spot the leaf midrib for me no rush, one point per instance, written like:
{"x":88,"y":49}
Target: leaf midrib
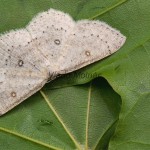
{"x":60,"y":120}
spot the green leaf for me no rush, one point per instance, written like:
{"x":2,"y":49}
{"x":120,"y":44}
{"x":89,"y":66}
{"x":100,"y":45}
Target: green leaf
{"x":67,"y":118}
{"x":70,"y":113}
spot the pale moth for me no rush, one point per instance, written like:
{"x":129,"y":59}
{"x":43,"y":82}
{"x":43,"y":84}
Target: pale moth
{"x":50,"y":45}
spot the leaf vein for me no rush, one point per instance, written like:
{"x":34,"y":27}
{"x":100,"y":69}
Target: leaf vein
{"x":109,"y":9}
{"x":27,"y":138}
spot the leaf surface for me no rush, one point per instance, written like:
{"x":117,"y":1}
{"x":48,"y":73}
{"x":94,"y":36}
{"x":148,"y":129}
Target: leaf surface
{"x":75,"y":111}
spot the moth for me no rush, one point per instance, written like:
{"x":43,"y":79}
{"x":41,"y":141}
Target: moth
{"x":51,"y":44}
